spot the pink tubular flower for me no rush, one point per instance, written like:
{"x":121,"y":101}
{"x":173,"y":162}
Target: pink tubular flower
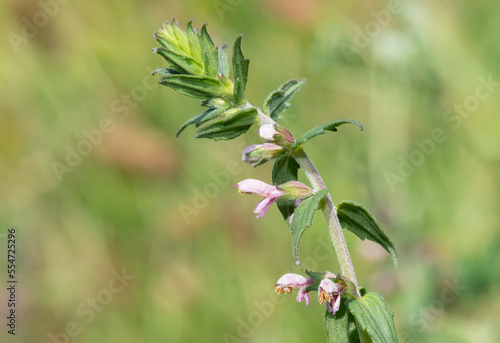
{"x":289,"y":281}
{"x":331,"y":292}
{"x":291,"y":190}
{"x":271,"y":193}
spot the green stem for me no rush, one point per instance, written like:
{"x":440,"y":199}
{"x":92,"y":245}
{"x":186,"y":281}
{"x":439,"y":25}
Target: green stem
{"x":330,"y":215}
{"x":329,"y":212}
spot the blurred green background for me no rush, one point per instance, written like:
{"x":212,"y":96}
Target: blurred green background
{"x":75,"y":72}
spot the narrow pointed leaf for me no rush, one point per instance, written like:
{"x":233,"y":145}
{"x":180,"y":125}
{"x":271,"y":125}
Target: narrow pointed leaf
{"x":240,"y":71}
{"x":229,"y":127}
{"x":331,"y":126}
{"x":165,"y":71}
{"x":285,"y":169}
{"x":375,"y":317}
{"x":184,"y":64}
{"x":194,"y":43}
{"x":302,"y":219}
{"x":193,"y":86}
{"x":168,"y":44}
{"x":182,"y":39}
{"x":355,"y":218}
{"x":279,"y":100}
{"x":223,"y":65}
{"x":202,"y":118}
{"x":209,"y":53}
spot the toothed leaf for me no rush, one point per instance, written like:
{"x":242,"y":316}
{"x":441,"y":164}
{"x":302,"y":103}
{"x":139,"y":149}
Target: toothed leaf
{"x":302,"y":219}
{"x":279,"y":100}
{"x":240,"y":71}
{"x":331,"y":126}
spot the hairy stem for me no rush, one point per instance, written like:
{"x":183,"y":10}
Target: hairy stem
{"x":330,"y":215}
{"x":329,"y":212}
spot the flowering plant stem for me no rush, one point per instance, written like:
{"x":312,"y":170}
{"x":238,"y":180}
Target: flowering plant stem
{"x":199,"y":69}
{"x":330,"y":214}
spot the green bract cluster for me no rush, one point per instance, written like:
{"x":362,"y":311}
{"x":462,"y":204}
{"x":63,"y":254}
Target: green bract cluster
{"x":201,"y":70}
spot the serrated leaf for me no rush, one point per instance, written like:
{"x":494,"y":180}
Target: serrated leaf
{"x":184,"y":64}
{"x":279,"y":100}
{"x":202,"y":118}
{"x":240,"y":72}
{"x":229,"y":127}
{"x":194,"y":86}
{"x":285,"y":169}
{"x":355,"y":218}
{"x":302,"y":219}
{"x":341,"y":326}
{"x":194,"y":43}
{"x":209,"y":53}
{"x":331,"y":126}
{"x":223,"y":65}
{"x":375,"y":317}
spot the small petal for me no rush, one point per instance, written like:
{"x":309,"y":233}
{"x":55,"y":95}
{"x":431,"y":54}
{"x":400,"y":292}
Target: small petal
{"x":329,"y":307}
{"x":267,"y":131}
{"x":293,"y":280}
{"x":263,"y":206}
{"x":336,"y":304}
{"x":302,"y":294}
{"x":328,"y":286}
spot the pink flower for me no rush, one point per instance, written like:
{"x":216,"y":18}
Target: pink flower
{"x":271,"y":193}
{"x":289,"y":281}
{"x":331,"y":292}
{"x":291,"y":190}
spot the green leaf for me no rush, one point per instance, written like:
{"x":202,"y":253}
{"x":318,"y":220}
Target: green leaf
{"x":202,"y":118}
{"x":183,"y":64}
{"x":194,"y":43}
{"x":209,"y":53}
{"x":302,"y":219}
{"x":165,"y":71}
{"x":331,"y":126}
{"x":285,"y":169}
{"x":375,"y":317}
{"x":355,"y":218}
{"x":341,"y":326}
{"x":182,"y":39}
{"x":223,"y":65}
{"x":279,"y":100}
{"x":240,"y":71}
{"x":194,"y":86}
{"x":230,"y":126}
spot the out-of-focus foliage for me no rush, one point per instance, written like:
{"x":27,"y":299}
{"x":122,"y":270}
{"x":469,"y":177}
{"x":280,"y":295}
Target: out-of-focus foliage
{"x":95,"y":182}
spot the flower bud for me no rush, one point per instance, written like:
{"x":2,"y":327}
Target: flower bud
{"x":258,"y":154}
{"x":296,"y":190}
